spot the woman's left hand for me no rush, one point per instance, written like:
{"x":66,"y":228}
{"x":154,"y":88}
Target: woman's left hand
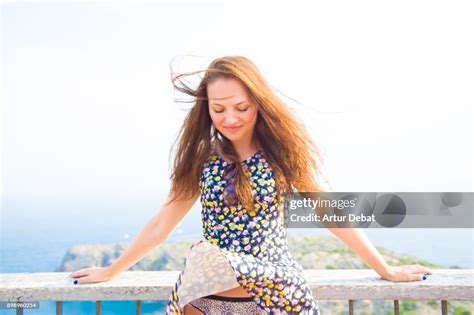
{"x":407,"y":273}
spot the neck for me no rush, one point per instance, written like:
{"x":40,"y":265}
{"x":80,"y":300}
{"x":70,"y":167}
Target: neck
{"x":245,"y":147}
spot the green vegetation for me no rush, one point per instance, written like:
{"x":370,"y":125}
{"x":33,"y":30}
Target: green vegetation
{"x":404,"y":260}
{"x":408,"y":305}
{"x":462,"y":310}
{"x":434,"y":304}
{"x":341,"y":250}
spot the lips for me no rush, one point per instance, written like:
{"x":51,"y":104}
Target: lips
{"x":233,"y":129}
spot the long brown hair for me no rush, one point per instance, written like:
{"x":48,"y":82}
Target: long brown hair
{"x":287,"y":146}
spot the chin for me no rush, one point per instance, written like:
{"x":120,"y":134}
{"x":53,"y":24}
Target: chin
{"x":233,"y":137}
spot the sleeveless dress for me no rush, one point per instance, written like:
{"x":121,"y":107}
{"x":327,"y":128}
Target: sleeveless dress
{"x":242,"y":247}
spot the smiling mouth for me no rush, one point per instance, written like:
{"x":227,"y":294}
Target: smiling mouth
{"x":233,"y":128}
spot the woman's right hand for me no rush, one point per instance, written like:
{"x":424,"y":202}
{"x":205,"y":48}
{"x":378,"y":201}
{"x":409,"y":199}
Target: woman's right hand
{"x":92,"y":275}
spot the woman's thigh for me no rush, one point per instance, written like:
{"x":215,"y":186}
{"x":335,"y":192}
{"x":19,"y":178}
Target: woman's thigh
{"x":234,"y":292}
{"x":191,"y":310}
{"x":214,"y":305}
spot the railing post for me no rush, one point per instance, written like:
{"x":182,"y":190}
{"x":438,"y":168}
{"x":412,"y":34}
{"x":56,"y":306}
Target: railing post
{"x":351,"y":307}
{"x":19,"y":310}
{"x":444,"y":307}
{"x":396,"y":307}
{"x":59,"y":307}
{"x":139,"y":307}
{"x":98,"y":307}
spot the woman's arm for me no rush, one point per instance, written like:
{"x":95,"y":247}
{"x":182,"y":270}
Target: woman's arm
{"x":155,"y":232}
{"x":356,"y":240}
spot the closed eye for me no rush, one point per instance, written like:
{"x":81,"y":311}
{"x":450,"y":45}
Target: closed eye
{"x":240,"y":110}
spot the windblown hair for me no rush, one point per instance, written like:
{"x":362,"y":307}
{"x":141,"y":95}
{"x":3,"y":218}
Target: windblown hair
{"x":287,"y":146}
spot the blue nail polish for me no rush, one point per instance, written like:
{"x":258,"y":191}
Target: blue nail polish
{"x":75,"y":281}
{"x":424,"y":277}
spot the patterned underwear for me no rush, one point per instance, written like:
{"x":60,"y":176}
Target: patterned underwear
{"x":220,"y":305}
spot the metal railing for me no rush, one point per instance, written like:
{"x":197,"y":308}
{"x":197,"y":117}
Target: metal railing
{"x":348,"y":284}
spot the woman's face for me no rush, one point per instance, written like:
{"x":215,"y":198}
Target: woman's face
{"x":232,"y":110}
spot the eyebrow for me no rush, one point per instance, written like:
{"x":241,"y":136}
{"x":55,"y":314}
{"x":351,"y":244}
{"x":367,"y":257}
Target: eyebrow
{"x":234,"y":105}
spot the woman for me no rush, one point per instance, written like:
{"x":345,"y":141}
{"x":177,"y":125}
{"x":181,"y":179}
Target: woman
{"x":239,"y":150}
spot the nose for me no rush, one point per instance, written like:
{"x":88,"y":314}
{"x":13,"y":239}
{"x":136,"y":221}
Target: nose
{"x":231,"y":119}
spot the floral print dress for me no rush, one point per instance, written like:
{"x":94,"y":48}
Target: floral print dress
{"x":242,"y":247}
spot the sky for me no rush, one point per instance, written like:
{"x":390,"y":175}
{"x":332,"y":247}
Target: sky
{"x":89,"y":113}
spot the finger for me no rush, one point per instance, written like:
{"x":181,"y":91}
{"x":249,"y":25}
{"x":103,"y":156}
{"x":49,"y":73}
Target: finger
{"x":417,"y":277}
{"x":423,"y":269}
{"x":414,"y":268}
{"x":80,"y":273}
{"x":423,"y":275}
{"x":83,"y":280}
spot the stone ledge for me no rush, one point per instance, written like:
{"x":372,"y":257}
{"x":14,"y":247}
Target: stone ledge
{"x":347,"y":284}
